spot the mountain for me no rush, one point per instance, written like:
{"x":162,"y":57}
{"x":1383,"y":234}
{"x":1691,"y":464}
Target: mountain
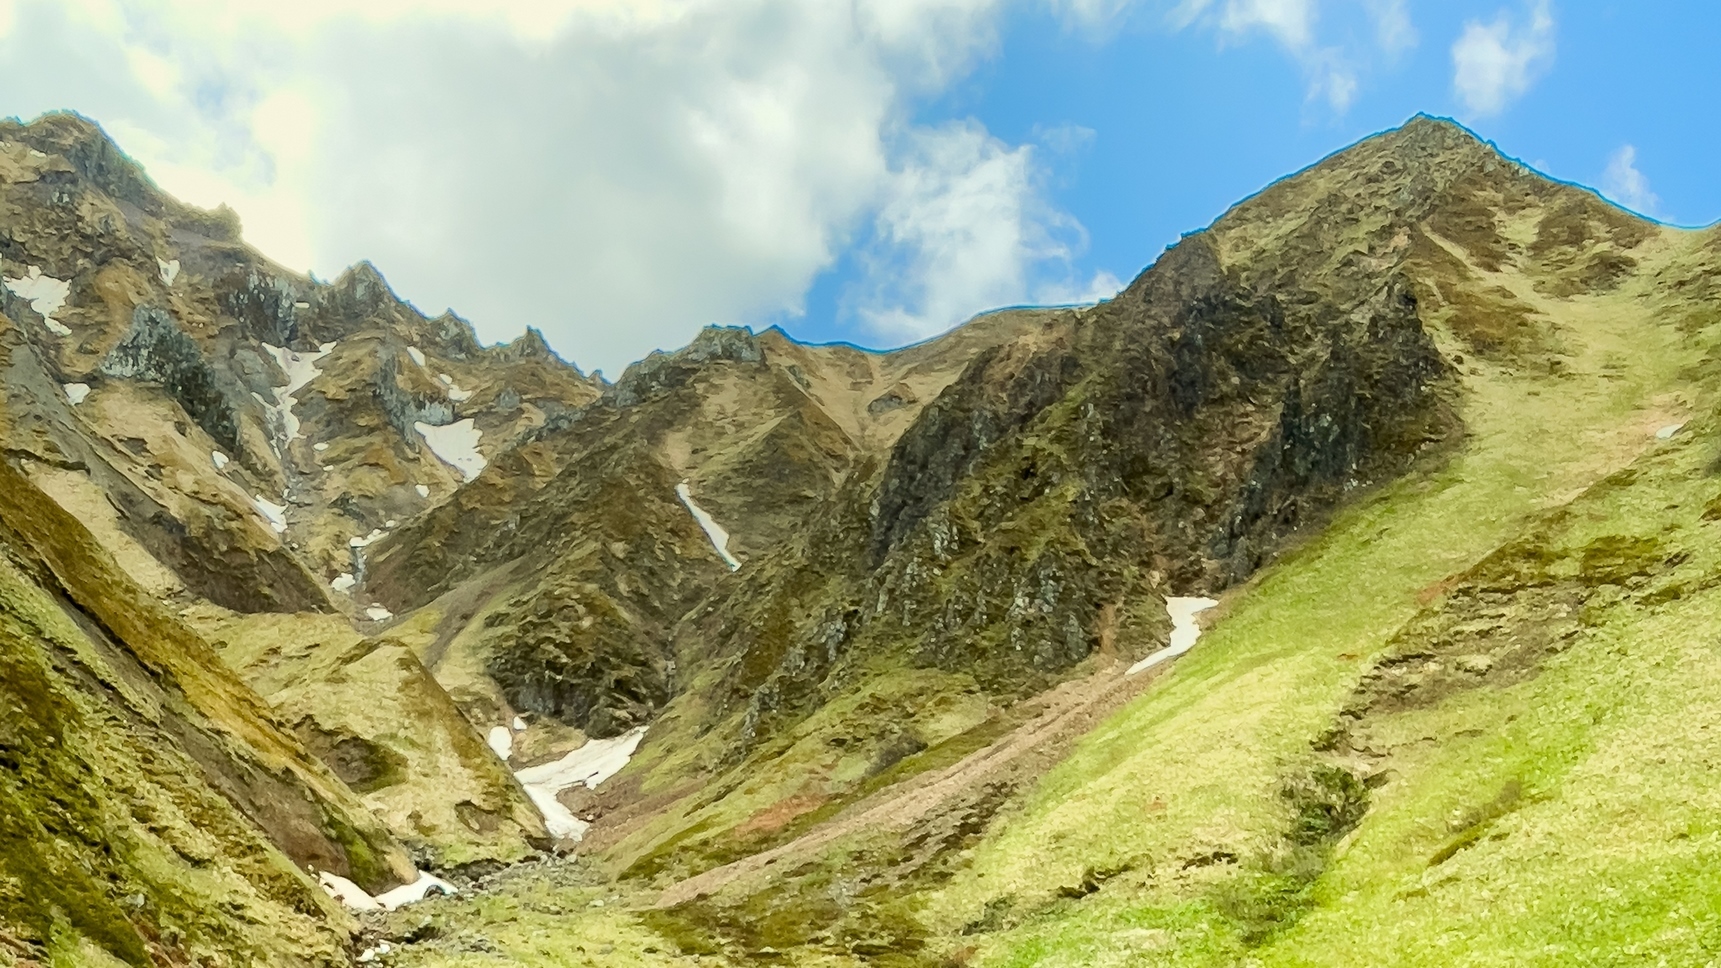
{"x":818,"y":655}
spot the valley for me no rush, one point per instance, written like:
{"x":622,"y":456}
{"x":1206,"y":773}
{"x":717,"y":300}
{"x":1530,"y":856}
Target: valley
{"x":770,"y":652}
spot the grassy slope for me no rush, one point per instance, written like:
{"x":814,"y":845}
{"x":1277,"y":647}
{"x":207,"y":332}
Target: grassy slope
{"x":1194,"y":767}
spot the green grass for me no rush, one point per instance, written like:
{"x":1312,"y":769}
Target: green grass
{"x":1191,"y":768}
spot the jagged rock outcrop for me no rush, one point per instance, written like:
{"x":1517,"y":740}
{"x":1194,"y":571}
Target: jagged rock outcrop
{"x":157,"y":349}
{"x":234,"y":434}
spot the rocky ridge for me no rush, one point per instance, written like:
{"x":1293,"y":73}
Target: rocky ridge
{"x":855,"y":600}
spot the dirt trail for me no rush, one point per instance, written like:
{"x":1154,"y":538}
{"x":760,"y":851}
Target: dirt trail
{"x":1069,"y":711}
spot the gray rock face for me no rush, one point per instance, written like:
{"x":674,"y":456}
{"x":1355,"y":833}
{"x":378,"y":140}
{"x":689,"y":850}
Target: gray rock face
{"x":405,"y":408}
{"x":265,"y":306}
{"x":157,"y":349}
{"x":666,"y":371}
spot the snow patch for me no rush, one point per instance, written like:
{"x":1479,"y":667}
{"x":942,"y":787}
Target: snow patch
{"x":348,"y":893}
{"x":519,"y":725}
{"x":301,"y":369}
{"x":169,"y":270}
{"x":219,"y":460}
{"x":343,"y":582}
{"x":76,"y":392}
{"x":719,"y":537}
{"x":1184,"y":631}
{"x":591,"y":764}
{"x":46,"y":294}
{"x":1667,"y":432}
{"x":456,"y":444}
{"x":275,"y":513}
{"x":356,"y":898}
{"x":454,"y":392}
{"x":367,"y":540}
{"x":320,"y":446}
{"x":422,"y":490}
{"x":416,"y":354}
{"x":427,"y":885}
{"x":501,"y":740}
{"x":377,"y":613}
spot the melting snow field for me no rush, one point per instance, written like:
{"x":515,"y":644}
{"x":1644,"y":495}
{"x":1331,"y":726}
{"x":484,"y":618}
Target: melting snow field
{"x":591,"y":764}
{"x":275,"y":513}
{"x":454,"y":393}
{"x":456,"y":444}
{"x":46,"y":295}
{"x":719,"y":537}
{"x":301,"y":369}
{"x":76,"y":392}
{"x":501,"y":740}
{"x":356,"y":898}
{"x":1184,"y":631}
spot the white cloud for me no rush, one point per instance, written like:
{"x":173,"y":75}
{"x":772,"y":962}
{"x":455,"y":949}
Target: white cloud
{"x":962,"y":225}
{"x":615,"y":172}
{"x":1290,"y":21}
{"x":1623,"y":183}
{"x":1494,"y":64}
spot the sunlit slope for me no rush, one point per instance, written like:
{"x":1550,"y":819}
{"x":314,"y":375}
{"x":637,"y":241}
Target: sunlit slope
{"x":152,"y":812}
{"x":1467,"y":725}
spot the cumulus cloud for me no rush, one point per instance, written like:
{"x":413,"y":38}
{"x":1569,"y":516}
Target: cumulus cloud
{"x":961,"y":225}
{"x":615,"y":172}
{"x":1623,"y":183}
{"x":1495,"y":63}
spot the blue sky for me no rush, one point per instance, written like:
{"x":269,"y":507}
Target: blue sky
{"x":619,"y":173}
{"x":1185,"y":123}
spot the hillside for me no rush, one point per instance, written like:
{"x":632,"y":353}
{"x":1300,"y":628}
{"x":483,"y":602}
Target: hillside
{"x":1408,"y":411}
{"x":809,"y":654}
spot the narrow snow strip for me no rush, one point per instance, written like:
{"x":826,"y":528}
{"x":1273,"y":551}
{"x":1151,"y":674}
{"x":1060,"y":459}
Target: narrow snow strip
{"x":369,"y":539}
{"x":591,"y":764}
{"x":456,"y":444}
{"x":76,"y":392}
{"x":427,"y":885}
{"x":1667,"y":432}
{"x":46,"y":295}
{"x":356,"y":898}
{"x":377,"y":613}
{"x":558,"y":820}
{"x":501,"y":740}
{"x":275,"y":513}
{"x":1184,"y":631}
{"x":301,"y":369}
{"x":343,"y":582}
{"x":218,"y":459}
{"x":454,"y":392}
{"x":713,"y":530}
{"x":416,"y":354}
{"x":169,"y":270}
